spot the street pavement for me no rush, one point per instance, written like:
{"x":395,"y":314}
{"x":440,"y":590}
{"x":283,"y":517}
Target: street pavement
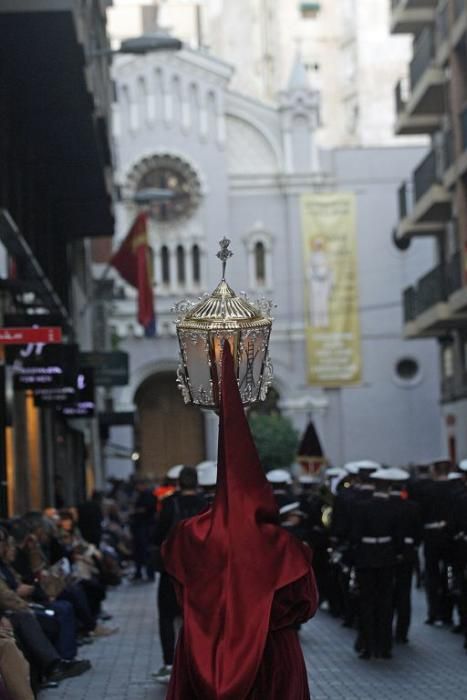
{"x":432,"y":667}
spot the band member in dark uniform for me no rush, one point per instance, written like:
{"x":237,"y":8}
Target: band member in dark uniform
{"x":436,"y":502}
{"x":458,"y":527}
{"x":410,"y":534}
{"x":281,"y":481}
{"x":375,"y":541}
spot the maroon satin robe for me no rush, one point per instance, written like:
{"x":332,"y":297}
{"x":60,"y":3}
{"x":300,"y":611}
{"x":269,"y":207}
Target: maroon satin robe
{"x":242,"y":580}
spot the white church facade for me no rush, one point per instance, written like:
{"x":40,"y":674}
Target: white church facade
{"x":240,"y":168}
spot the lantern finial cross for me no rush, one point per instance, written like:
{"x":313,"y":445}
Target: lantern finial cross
{"x":224,"y":254}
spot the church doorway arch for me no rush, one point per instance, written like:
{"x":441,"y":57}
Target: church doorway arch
{"x":168,"y":431}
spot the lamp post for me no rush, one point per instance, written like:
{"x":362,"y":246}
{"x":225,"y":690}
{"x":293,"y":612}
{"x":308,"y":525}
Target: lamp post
{"x":202,"y":330}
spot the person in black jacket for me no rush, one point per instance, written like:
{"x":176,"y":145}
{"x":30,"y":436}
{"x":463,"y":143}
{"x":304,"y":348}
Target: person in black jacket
{"x":183,"y":504}
{"x":90,"y":518}
{"x":436,"y":500}
{"x":142,"y":522}
{"x":410,"y":537}
{"x":458,"y":528}
{"x":375,"y":543}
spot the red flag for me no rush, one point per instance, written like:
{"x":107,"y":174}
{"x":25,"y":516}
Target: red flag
{"x":133,"y":261}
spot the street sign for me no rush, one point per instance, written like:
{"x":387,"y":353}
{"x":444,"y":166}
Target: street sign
{"x":76,"y":401}
{"x":42,"y":366}
{"x":110,"y":368}
{"x":26,"y":336}
{"x":84,"y":403}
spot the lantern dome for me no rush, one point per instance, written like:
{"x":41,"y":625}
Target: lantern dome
{"x":202,"y":329}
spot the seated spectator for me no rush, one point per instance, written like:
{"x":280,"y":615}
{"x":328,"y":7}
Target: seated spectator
{"x":38,"y":649}
{"x":61,"y":627}
{"x":33,"y":538}
{"x":14,"y":669}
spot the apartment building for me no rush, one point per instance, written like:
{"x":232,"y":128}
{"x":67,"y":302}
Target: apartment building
{"x":433,"y":199}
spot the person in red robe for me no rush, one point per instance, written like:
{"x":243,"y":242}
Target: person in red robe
{"x":244,"y":583}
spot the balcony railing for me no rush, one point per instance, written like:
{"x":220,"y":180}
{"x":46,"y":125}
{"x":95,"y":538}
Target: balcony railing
{"x":405,"y":197}
{"x":425,"y":175}
{"x":463,"y":118}
{"x":434,"y":287}
{"x":442,"y":23}
{"x":453,"y":274}
{"x":410,"y":304}
{"x":448,"y":149}
{"x":411,"y":4}
{"x":431,"y":289}
{"x":424,"y":52}
{"x":400,"y":93}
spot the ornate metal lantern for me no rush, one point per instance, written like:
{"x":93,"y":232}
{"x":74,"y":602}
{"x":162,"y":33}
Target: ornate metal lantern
{"x":202,"y":329}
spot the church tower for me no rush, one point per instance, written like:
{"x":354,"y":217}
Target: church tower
{"x":300,"y":117}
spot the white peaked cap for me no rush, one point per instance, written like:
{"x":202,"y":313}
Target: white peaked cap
{"x":396,"y":474}
{"x":454,"y":475}
{"x":463,"y":465}
{"x":279,"y":476}
{"x":208,"y":476}
{"x":174,"y":472}
{"x":335,"y":471}
{"x":367,"y":465}
{"x":391,"y":474}
{"x":308,"y":479}
{"x":351,"y":467}
{"x":207,"y":464}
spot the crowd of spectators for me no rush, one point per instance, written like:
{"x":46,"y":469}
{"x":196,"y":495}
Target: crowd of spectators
{"x":56,"y":568}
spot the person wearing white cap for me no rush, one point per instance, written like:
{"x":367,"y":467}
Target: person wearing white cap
{"x":281,"y":480}
{"x":375,"y":540}
{"x":410,"y":537}
{"x":174,"y":472}
{"x":436,"y":500}
{"x":345,"y":499}
{"x":169,"y":485}
{"x":332,"y":478}
{"x":207,"y":480}
{"x":459,"y":531}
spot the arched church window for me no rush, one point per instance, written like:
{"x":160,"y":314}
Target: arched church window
{"x":125,"y":101}
{"x":196,"y":261}
{"x":180,"y":265}
{"x":260,"y":262}
{"x":165,"y":262}
{"x":142,"y":100}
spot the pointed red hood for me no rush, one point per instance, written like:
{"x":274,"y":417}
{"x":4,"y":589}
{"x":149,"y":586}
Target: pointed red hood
{"x":231,"y":560}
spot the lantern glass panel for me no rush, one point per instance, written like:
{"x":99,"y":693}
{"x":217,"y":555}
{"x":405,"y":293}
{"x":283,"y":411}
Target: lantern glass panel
{"x":252,"y":354}
{"x":216,"y":340}
{"x":196,"y":358}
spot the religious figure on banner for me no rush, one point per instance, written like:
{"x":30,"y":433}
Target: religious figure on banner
{"x":320,"y":283}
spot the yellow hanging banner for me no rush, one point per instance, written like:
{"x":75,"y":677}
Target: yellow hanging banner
{"x":332,"y":323}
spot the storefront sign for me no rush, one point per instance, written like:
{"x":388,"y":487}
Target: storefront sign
{"x":83,"y":403}
{"x":110,"y":368}
{"x":23,"y":336}
{"x":42,"y":366}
